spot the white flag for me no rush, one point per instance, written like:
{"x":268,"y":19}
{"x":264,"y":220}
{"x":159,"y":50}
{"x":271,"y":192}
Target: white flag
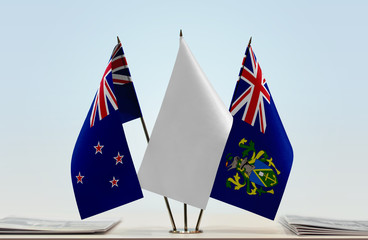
{"x":188,"y":138}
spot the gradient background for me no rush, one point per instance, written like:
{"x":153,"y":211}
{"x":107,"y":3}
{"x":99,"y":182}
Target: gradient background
{"x":312,"y":53}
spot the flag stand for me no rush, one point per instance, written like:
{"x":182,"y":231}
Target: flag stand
{"x":186,"y":230}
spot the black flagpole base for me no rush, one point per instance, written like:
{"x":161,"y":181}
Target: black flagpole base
{"x":182,"y":231}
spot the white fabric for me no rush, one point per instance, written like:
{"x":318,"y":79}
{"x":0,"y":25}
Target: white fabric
{"x":188,"y":138}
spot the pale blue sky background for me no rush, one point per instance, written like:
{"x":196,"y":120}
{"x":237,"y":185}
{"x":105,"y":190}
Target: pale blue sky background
{"x":312,"y":53}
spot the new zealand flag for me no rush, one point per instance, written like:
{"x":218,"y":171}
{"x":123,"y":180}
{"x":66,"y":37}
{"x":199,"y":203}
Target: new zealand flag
{"x":258,"y":156}
{"x":102,"y":170}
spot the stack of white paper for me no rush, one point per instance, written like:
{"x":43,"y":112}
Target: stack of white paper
{"x":42,"y":226}
{"x":322,"y":226}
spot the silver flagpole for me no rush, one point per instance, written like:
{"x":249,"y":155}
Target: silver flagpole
{"x":185,"y":218}
{"x":185,"y":205}
{"x":199,"y":220}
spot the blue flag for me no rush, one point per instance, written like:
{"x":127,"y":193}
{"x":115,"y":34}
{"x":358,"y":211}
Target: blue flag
{"x":258,"y":156}
{"x":102,"y":170}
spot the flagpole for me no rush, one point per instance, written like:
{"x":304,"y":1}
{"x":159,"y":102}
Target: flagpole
{"x":170,"y":213}
{"x":147,"y":138}
{"x":185,"y":218}
{"x":199,"y":220}
{"x":144,"y":128}
{"x":185,"y":205}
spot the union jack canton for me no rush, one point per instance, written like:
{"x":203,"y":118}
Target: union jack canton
{"x":118,"y":70}
{"x":253,"y":97}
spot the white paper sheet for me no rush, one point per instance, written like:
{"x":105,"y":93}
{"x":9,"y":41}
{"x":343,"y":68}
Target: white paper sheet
{"x":302,"y":225}
{"x":46,"y":226}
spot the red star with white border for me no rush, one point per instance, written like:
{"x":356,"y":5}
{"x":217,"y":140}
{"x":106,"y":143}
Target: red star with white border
{"x":114,"y":182}
{"x":119,"y":159}
{"x":79,"y":178}
{"x":98,"y":148}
